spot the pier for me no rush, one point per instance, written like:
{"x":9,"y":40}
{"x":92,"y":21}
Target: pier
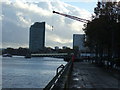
{"x":50,"y":55}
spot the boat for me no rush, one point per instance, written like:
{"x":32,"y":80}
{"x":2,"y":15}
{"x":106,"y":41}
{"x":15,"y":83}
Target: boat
{"x":7,"y":55}
{"x":28,"y":56}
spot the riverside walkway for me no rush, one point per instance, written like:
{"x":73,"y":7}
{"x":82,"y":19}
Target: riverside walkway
{"x":87,"y":75}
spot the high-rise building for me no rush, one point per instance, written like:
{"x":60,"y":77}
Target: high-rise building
{"x":78,"y":41}
{"x":37,"y":37}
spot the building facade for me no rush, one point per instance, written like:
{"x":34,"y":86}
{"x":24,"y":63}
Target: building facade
{"x":37,"y":37}
{"x":78,"y":41}
{"x":56,"y":48}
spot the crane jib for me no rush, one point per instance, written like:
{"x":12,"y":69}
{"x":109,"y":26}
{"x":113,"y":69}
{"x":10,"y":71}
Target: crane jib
{"x":73,"y":17}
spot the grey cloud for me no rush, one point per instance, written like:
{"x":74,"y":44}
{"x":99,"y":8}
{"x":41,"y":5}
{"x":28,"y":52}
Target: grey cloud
{"x":14,"y":34}
{"x":16,"y":17}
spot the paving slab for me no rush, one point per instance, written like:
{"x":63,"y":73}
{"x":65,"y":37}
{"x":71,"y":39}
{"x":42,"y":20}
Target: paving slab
{"x":87,"y":75}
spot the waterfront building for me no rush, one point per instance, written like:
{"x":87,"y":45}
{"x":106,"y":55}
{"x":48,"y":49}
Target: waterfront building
{"x":56,"y":48}
{"x":64,"y":47}
{"x":37,"y":37}
{"x":78,"y":41}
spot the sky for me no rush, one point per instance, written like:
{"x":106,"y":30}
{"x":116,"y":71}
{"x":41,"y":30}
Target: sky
{"x":18,"y":15}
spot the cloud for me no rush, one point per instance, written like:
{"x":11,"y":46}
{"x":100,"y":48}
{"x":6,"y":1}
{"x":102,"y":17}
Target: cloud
{"x":22,"y":20}
{"x":18,"y":16}
{"x":48,"y":27}
{"x":79,"y":0}
{"x":31,"y":8}
{"x":58,"y":39}
{"x":1,"y":17}
{"x":87,"y":1}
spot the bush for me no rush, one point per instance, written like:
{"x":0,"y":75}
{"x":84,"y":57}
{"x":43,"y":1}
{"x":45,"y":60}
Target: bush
{"x":117,"y":61}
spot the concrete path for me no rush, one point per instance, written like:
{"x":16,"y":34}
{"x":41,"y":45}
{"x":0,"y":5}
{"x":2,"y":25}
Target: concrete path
{"x":86,"y":75}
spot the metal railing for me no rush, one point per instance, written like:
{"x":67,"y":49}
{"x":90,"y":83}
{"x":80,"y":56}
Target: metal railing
{"x":61,"y":78}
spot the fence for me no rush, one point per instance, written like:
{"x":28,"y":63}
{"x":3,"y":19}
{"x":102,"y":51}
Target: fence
{"x":60,"y":81}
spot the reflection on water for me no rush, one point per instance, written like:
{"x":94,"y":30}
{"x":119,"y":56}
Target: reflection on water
{"x":18,"y":72}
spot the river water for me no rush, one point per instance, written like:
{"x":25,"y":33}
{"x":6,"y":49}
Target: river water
{"x":18,"y":72}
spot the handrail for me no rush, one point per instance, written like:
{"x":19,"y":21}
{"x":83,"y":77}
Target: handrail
{"x":61,"y":66}
{"x":60,"y":76}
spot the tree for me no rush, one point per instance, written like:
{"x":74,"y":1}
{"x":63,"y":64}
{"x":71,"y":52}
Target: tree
{"x":102,"y":33}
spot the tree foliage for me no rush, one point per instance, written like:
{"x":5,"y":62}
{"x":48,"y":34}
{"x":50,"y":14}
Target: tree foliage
{"x":103,"y":32}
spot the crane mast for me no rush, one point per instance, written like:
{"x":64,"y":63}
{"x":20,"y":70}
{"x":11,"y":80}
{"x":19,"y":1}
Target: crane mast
{"x":73,"y":17}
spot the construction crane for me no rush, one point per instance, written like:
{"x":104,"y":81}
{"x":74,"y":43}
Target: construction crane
{"x":73,"y":17}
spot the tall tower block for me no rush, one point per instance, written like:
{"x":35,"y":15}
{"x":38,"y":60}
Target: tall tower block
{"x":37,"y":37}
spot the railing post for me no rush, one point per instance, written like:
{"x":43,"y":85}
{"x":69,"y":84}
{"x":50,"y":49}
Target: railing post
{"x":61,"y":66}
{"x":60,"y":81}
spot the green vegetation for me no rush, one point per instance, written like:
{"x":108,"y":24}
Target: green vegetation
{"x":20,"y":51}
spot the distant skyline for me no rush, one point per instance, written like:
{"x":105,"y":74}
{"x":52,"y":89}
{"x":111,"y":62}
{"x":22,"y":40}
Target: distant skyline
{"x":18,"y":15}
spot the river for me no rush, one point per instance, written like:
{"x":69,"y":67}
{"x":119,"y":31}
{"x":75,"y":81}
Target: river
{"x":18,"y":72}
